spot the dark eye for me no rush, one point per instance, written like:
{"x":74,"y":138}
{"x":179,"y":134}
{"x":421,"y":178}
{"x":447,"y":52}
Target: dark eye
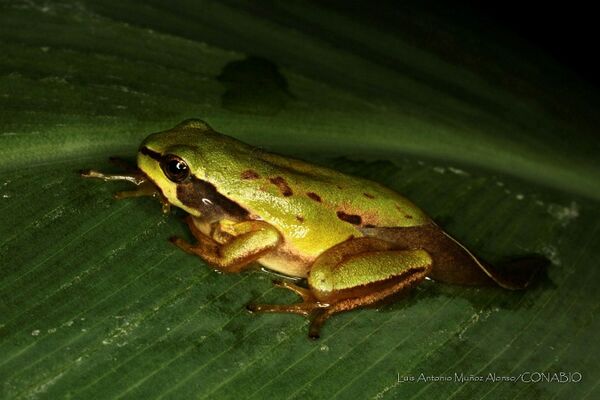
{"x":175,"y":168}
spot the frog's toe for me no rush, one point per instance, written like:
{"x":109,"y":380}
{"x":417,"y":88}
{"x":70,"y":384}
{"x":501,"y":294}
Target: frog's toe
{"x":304,"y":308}
{"x":316,"y":311}
{"x":303,"y":292}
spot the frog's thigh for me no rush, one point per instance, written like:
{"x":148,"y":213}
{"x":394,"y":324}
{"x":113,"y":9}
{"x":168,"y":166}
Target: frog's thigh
{"x":347,"y":281}
{"x":363,"y":271}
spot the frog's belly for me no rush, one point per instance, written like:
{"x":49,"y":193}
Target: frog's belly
{"x":287,"y":262}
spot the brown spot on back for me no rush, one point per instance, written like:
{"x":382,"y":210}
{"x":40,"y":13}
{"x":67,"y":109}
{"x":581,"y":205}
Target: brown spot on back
{"x":350,"y":218}
{"x":282,"y":185}
{"x":300,"y":218}
{"x":314,"y":196}
{"x":370,"y":196}
{"x":250,"y":174}
{"x":408,"y":216}
{"x":338,"y":186}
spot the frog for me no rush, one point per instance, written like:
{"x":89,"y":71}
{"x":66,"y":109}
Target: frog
{"x":341,"y":242}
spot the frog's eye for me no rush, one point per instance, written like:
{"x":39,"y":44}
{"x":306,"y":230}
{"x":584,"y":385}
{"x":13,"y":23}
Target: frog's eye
{"x":174,"y":168}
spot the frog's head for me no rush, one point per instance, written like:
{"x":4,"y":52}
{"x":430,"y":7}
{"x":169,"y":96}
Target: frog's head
{"x":172,"y":160}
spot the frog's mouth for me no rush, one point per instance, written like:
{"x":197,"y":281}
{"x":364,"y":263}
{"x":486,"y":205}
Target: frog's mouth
{"x":147,"y":186}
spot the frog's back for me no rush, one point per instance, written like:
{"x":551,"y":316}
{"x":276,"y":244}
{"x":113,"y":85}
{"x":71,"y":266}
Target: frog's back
{"x":315,"y":206}
{"x":363,"y":202}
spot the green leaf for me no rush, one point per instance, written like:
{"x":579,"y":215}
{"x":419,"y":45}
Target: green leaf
{"x":94,"y":301}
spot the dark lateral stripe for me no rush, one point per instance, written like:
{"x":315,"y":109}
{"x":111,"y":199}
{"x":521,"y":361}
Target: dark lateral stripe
{"x":150,"y":153}
{"x":194,"y":192}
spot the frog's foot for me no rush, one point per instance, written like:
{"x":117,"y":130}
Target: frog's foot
{"x":309,"y":307}
{"x":319,"y":311}
{"x":299,"y":290}
{"x":306,"y":307}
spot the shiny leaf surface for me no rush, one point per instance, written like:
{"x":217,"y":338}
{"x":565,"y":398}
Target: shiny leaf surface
{"x":94,"y":301}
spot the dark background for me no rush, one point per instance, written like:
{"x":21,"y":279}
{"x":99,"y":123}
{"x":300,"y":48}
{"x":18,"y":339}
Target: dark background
{"x":565,"y":31}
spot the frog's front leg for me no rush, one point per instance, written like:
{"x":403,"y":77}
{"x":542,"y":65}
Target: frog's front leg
{"x":135,"y":177}
{"x":354,"y":273}
{"x":144,"y":186}
{"x":249,"y":241}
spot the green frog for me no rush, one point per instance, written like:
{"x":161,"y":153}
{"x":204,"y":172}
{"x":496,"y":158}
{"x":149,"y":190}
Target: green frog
{"x":355,"y":241}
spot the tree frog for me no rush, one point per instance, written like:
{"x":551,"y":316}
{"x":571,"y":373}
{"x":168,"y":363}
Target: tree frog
{"x":355,"y":241}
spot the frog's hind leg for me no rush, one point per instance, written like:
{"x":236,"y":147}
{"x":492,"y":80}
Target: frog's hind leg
{"x":299,"y":290}
{"x":454,"y":263}
{"x":352,"y":274}
{"x":310,"y":307}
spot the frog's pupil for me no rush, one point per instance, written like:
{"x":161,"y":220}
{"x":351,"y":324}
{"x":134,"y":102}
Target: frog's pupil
{"x":176,"y":169}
